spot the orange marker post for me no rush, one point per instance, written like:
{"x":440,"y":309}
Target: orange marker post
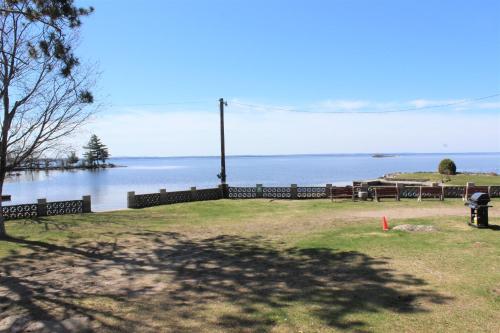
{"x":385,"y":224}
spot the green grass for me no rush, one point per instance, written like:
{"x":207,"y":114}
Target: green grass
{"x":258,"y":266}
{"x":459,"y":179}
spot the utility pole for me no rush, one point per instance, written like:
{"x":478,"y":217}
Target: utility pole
{"x":222,"y":174}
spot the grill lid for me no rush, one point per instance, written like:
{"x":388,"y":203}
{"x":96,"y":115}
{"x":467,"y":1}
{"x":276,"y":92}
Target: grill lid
{"x":480,"y":198}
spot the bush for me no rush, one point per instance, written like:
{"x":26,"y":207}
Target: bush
{"x":447,"y":167}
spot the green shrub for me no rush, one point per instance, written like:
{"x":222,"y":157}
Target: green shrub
{"x":447,"y":167}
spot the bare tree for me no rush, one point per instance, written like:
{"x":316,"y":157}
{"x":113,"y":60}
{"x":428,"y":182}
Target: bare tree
{"x":44,"y":93}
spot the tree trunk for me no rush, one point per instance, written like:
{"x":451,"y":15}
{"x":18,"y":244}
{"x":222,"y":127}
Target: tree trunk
{"x":3,"y":172}
{"x":7,"y":120}
{"x":3,"y":232}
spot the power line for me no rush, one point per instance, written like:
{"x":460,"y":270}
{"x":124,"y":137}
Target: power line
{"x":311,"y":110}
{"x":413,"y":109}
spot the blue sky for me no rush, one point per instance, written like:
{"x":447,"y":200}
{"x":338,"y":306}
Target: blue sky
{"x":308,"y":55}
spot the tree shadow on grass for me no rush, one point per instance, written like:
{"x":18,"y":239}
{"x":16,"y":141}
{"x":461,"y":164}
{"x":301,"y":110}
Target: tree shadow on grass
{"x":47,"y":223}
{"x":259,"y":280}
{"x":251,"y":273}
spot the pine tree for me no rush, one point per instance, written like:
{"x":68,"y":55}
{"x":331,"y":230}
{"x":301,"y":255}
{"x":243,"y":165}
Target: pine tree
{"x":104,"y":154}
{"x":96,"y":152}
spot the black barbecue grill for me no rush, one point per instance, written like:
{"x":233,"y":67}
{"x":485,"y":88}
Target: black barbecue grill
{"x":478,"y":204}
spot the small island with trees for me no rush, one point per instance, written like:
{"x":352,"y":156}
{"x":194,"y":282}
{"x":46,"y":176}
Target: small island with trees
{"x":95,"y":156}
{"x":383,"y":155}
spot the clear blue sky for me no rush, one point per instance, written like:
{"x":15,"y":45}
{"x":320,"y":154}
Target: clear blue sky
{"x":324,"y":55}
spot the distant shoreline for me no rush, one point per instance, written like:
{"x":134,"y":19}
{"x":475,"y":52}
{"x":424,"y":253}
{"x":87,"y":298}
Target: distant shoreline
{"x":65,"y":168}
{"x":382,"y":155}
{"x":304,"y":155}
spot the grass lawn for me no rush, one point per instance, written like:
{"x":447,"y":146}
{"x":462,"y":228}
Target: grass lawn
{"x":254,"y":266}
{"x":459,"y":179}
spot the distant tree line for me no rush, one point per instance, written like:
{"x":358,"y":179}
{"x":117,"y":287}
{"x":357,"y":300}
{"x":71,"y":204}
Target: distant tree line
{"x":95,"y":156}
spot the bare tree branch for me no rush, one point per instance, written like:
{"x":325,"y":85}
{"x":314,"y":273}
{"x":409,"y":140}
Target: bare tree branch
{"x":44,"y":93}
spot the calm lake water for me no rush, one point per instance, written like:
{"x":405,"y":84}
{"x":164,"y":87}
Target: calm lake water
{"x":109,"y":188}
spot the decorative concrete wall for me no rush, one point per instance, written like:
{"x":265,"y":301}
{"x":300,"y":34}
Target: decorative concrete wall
{"x":44,"y":208}
{"x":298,"y":192}
{"x":168,"y":198}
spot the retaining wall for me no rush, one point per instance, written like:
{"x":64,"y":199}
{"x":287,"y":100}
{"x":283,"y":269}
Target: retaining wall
{"x":44,"y":208}
{"x":292,"y":192}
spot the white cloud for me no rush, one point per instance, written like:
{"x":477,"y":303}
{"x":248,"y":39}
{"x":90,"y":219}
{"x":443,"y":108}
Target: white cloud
{"x":489,"y":105}
{"x":423,"y":103}
{"x":355,"y":106}
{"x":146,"y":132}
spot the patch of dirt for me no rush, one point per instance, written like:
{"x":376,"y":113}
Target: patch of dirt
{"x":164,"y":281}
{"x":407,"y":212}
{"x":415,"y":228}
{"x":20,"y":323}
{"x":14,"y":323}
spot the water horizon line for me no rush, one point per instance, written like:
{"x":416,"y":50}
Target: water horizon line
{"x":391,"y":154}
